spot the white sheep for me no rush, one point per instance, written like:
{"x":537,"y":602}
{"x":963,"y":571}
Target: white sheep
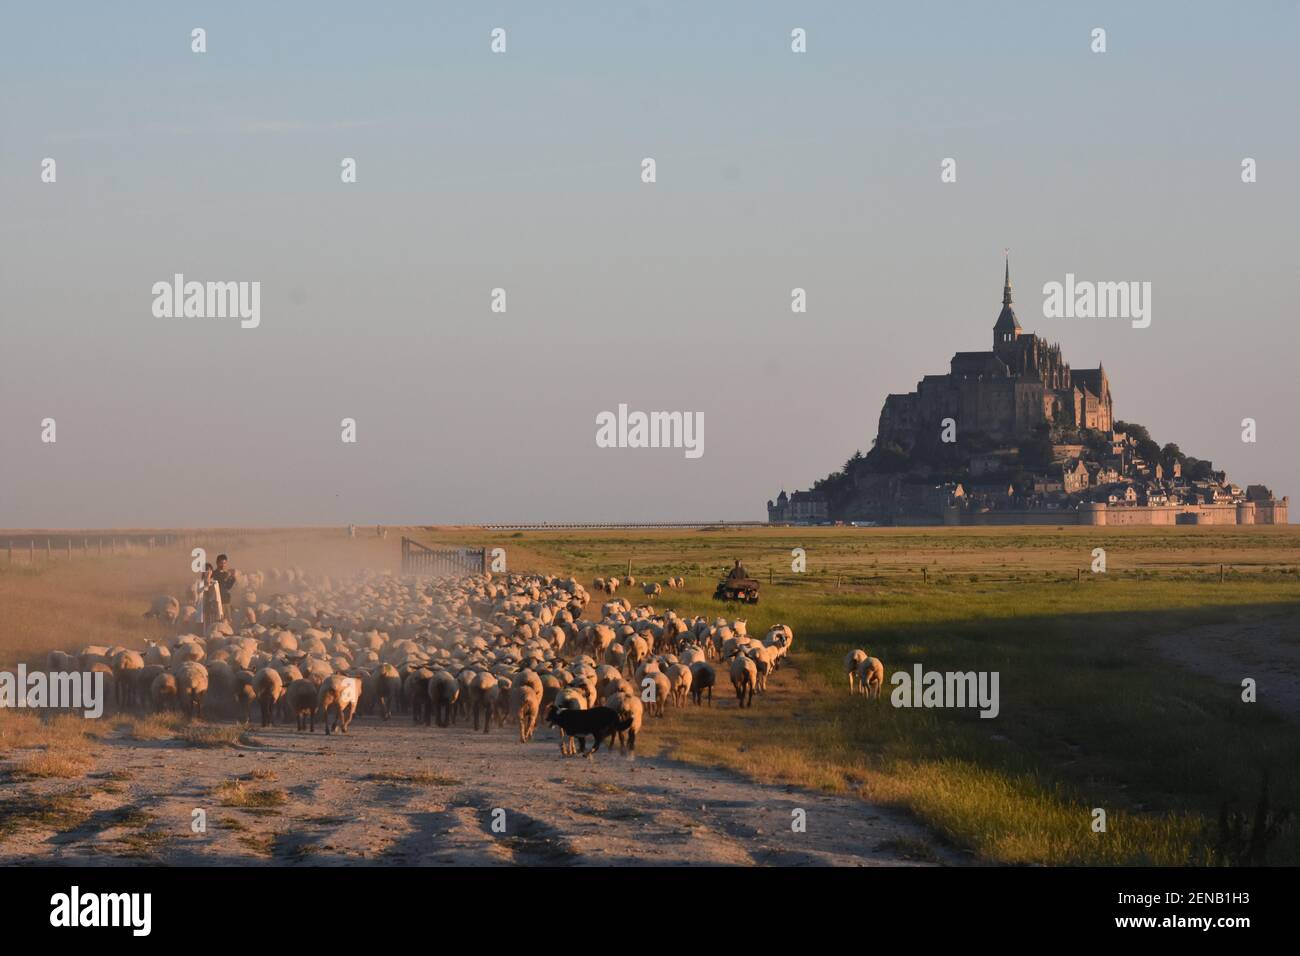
{"x":525,"y":701}
{"x":852,"y":661}
{"x":483,"y":691}
{"x":269,"y":687}
{"x":744,"y":676}
{"x":163,"y":691}
{"x":628,"y":705}
{"x":679,"y":675}
{"x":600,"y":637}
{"x":871,"y":676}
{"x":692,"y":654}
{"x":387,"y":689}
{"x":164,"y":608}
{"x":338,"y":697}
{"x":444,"y":691}
{"x":662,"y":690}
{"x":123,"y":680}
{"x":90,"y":655}
{"x":244,"y":693}
{"x":188,"y":651}
{"x":416,"y":692}
{"x":191,"y":687}
{"x":765,"y":659}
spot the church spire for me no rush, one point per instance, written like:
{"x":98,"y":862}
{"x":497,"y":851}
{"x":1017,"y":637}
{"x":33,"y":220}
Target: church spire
{"x":1007,"y":328}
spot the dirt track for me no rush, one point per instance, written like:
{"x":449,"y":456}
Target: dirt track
{"x":1267,"y":650}
{"x":339,"y":809}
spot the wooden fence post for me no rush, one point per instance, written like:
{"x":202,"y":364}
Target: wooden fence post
{"x":48,"y":553}
{"x":69,"y":547}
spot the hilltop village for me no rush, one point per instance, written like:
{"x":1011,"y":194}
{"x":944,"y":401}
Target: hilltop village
{"x":1014,"y":435}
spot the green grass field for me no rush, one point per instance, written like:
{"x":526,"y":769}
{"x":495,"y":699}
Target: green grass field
{"x":1090,"y":715}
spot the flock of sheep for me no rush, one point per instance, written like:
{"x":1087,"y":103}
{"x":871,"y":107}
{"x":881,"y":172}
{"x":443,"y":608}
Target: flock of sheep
{"x":483,"y":648}
{"x":611,"y":585}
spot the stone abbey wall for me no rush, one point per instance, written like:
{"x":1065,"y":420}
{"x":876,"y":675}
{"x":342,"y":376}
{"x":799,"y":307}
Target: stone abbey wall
{"x":1227,"y":513}
{"x":1091,"y":513}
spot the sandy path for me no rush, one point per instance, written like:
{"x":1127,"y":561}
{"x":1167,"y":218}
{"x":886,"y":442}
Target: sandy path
{"x":1267,"y":650}
{"x":338,"y":808}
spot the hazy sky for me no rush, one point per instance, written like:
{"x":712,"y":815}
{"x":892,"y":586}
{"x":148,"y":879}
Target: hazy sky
{"x":522,"y":170}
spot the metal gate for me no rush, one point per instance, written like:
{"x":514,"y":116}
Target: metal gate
{"x":441,"y":562}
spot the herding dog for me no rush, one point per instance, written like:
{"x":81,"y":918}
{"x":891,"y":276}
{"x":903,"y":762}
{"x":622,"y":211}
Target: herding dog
{"x":598,"y":722}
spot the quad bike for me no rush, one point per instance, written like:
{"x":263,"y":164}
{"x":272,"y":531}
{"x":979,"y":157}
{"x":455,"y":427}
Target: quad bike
{"x":737,"y":589}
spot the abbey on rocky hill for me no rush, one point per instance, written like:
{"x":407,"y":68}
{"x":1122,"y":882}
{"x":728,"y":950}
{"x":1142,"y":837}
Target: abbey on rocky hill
{"x":1015,"y":435}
